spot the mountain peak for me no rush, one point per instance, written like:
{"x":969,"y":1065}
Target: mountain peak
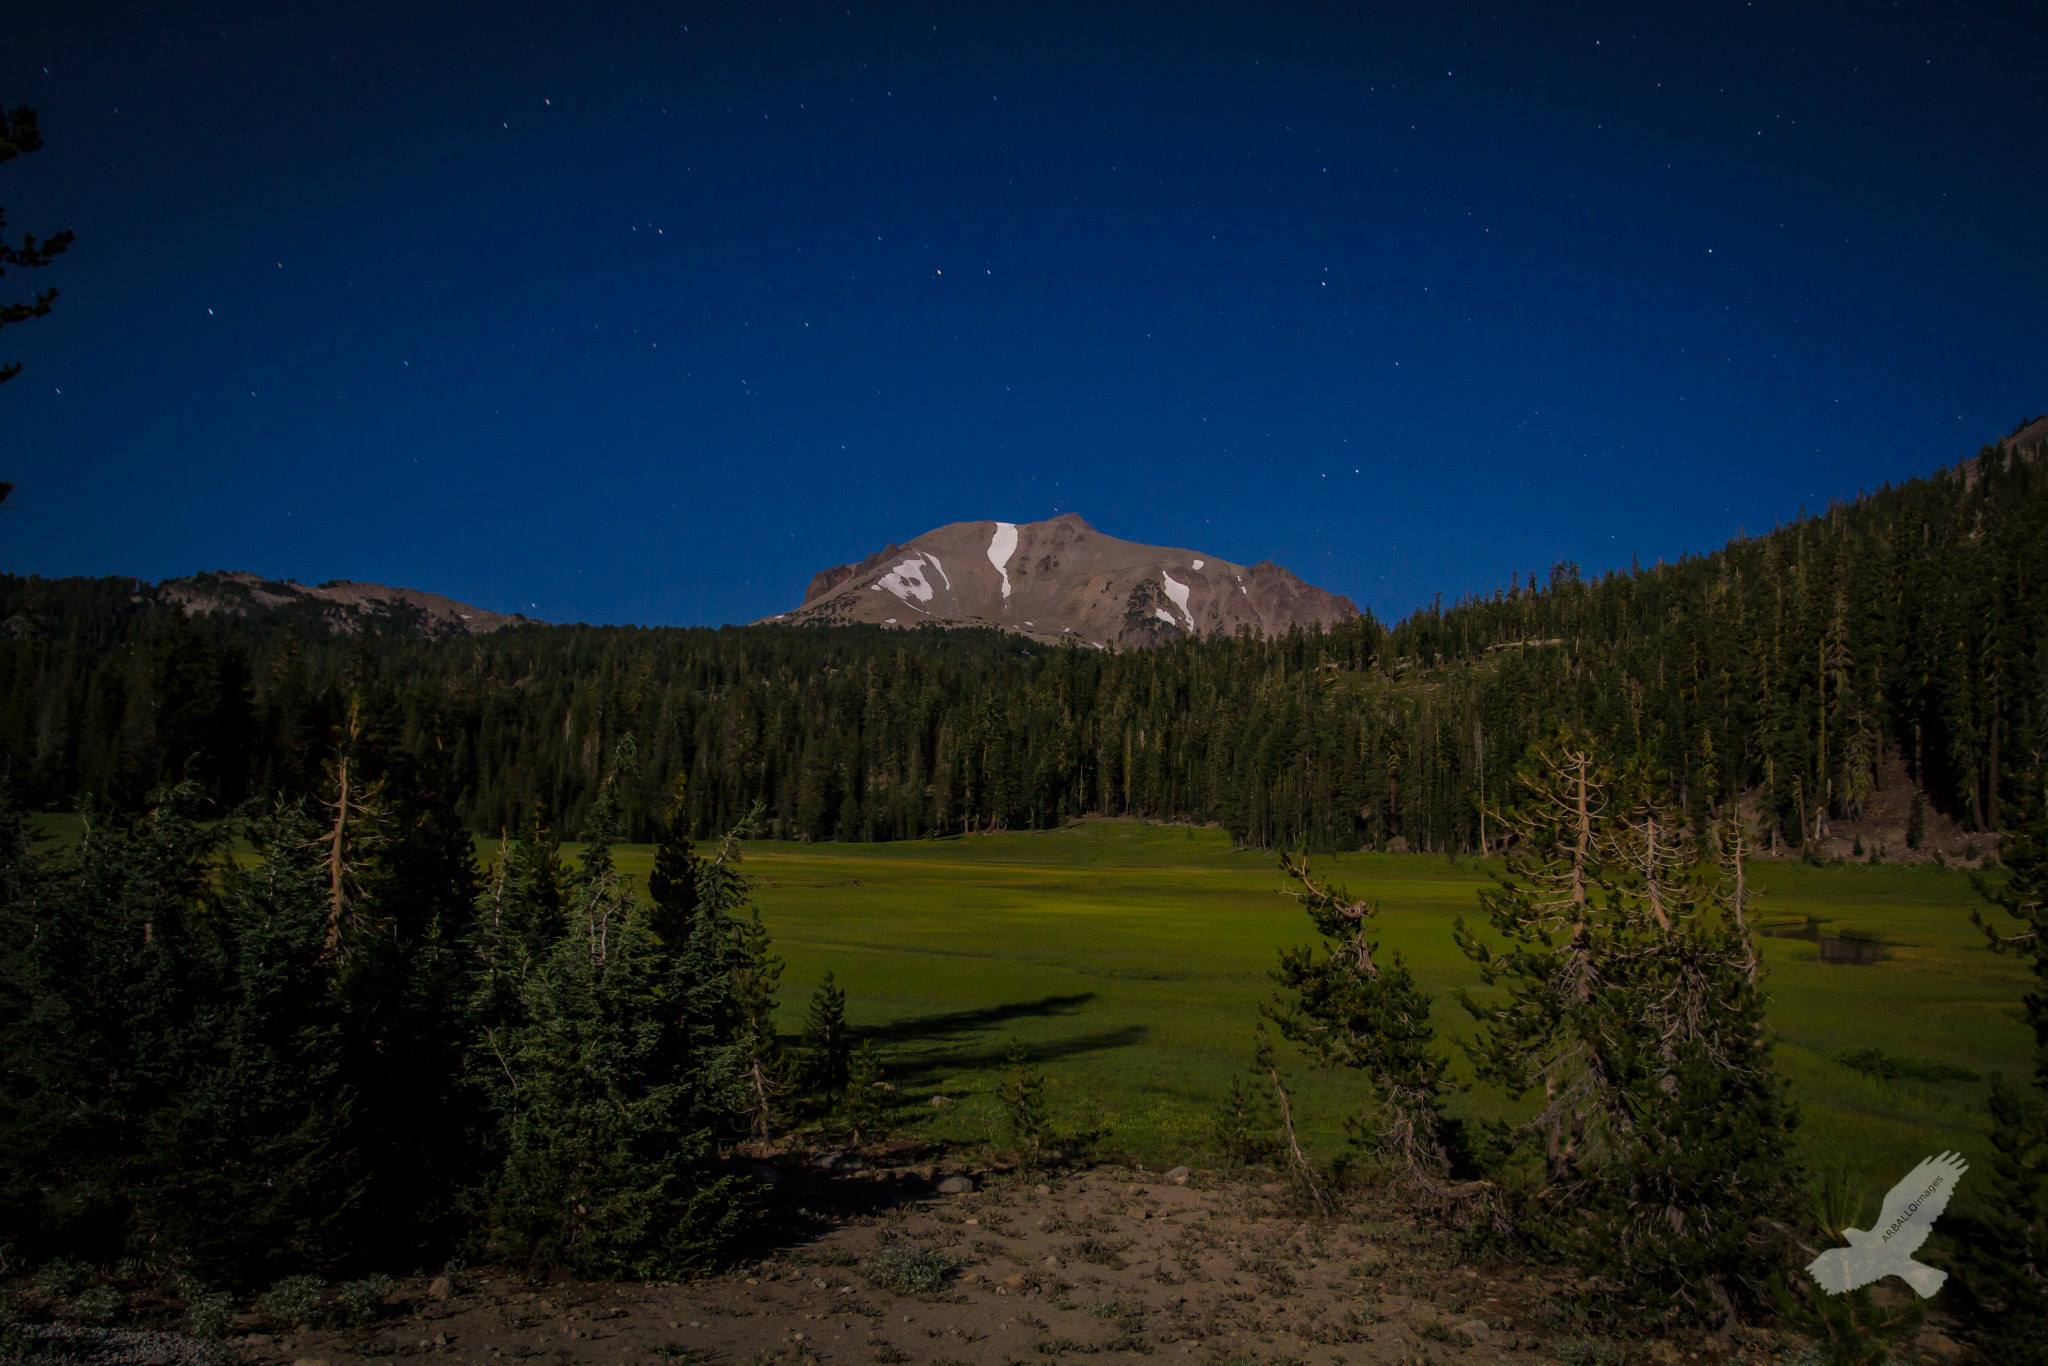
{"x":1062,"y":580}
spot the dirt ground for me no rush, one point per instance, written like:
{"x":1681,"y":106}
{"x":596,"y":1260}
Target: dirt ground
{"x":1110,"y":1264}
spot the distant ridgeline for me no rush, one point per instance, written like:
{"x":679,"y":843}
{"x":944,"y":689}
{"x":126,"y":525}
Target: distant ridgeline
{"x":1908,"y":629}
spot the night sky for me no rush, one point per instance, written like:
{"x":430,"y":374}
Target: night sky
{"x":644,"y":315}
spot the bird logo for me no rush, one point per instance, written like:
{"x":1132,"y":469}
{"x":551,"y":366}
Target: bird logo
{"x":1910,"y":1209}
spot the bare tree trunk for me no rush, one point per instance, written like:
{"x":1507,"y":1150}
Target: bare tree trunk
{"x":764,"y":1113}
{"x":1302,"y":1170}
{"x":337,"y":840}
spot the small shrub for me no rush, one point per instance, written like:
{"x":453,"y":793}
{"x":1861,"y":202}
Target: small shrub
{"x":1853,"y":1329}
{"x":864,"y":1110}
{"x":17,"y":1339}
{"x":1245,"y":1124}
{"x":1435,"y":1330}
{"x":1122,"y":1311}
{"x":362,"y":1301}
{"x":295,"y":1301}
{"x":1590,"y":1352}
{"x":209,"y":1314}
{"x":825,"y":1057}
{"x":97,"y":1307}
{"x":1859,"y":1328}
{"x":1024,"y":1110}
{"x":909,"y":1270}
{"x":1100,"y":1252}
{"x":60,"y":1280}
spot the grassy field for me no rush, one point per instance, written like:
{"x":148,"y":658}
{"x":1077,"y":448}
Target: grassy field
{"x":1129,"y":959}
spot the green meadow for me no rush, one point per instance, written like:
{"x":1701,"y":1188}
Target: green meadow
{"x":1130,"y":960}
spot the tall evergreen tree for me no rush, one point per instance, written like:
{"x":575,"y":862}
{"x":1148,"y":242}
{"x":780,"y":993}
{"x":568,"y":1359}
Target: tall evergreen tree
{"x":611,"y":1162}
{"x":171,"y":1048}
{"x":1625,"y":985}
{"x":2005,"y":1278}
{"x":756,"y":976}
{"x":1350,"y":1006}
{"x":19,"y":135}
{"x":672,"y":885}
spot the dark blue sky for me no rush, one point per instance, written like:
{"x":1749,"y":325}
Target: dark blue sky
{"x":643,"y":315}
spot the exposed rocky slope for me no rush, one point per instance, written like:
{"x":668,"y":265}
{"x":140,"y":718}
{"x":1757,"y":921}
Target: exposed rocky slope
{"x":1063,"y":580}
{"x":342,"y":605}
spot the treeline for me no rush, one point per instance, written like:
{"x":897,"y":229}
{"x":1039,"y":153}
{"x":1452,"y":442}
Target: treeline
{"x":353,"y":1049}
{"x":1793,"y":668}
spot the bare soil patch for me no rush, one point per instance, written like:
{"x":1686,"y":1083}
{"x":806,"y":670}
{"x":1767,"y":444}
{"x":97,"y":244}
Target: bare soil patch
{"x":1111,"y":1264}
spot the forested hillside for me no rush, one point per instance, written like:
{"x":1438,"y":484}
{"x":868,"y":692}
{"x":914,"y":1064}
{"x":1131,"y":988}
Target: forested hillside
{"x":1794,"y":667}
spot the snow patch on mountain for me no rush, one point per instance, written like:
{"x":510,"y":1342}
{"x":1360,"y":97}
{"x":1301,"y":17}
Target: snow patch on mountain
{"x":1000,"y":548}
{"x":907,"y":581}
{"x":1178,"y":591}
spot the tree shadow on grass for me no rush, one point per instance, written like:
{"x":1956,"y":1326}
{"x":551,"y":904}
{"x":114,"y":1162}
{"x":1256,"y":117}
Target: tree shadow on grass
{"x":808,"y":1201}
{"x":924,"y":1050}
{"x":918,"y":1048}
{"x":910,"y":1070}
{"x":927,"y":1028}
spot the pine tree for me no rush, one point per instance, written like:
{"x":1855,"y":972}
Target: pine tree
{"x":520,"y":919}
{"x":20,"y":134}
{"x":1303,"y":1177}
{"x":1628,"y":990}
{"x":266,"y":1120}
{"x":863,"y":1112}
{"x":1026,"y":1121}
{"x":2005,"y":1280}
{"x":1542,"y":908}
{"x":824,"y":1051}
{"x":672,"y":885}
{"x":1861,"y":1327}
{"x":1244,"y":1123}
{"x":406,"y":971}
{"x":611,"y":1097}
{"x":22,"y":876}
{"x":756,"y":975}
{"x":1701,"y":1182}
{"x":1348,"y":1009}
{"x":170,"y":1047}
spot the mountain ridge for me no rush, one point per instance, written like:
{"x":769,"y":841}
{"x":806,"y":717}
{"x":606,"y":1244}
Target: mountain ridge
{"x":344,"y":605}
{"x":1060,"y":579}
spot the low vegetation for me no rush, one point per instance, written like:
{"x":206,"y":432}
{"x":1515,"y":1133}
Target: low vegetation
{"x":907,"y":1269}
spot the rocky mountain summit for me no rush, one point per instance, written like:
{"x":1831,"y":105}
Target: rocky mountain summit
{"x":1062,"y":580}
